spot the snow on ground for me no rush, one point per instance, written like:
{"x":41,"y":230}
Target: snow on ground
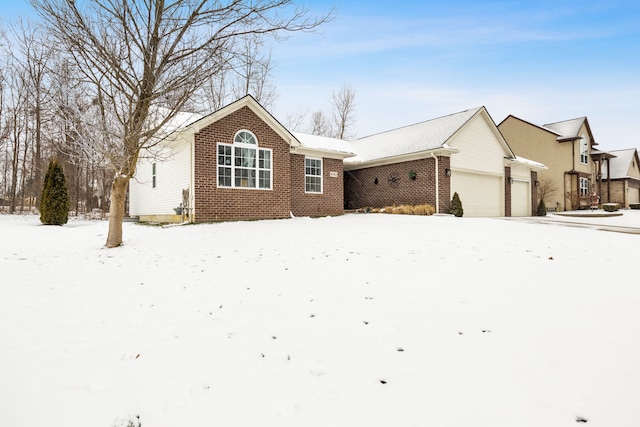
{"x":359,"y":320}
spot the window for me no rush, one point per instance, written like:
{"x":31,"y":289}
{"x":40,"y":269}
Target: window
{"x":244,"y":165}
{"x":584,"y":186}
{"x":584,"y":150}
{"x":153,"y":175}
{"x":312,"y":175}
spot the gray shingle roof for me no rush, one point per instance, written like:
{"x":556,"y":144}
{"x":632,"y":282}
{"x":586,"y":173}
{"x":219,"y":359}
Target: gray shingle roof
{"x":620,"y":164}
{"x":566,"y":128}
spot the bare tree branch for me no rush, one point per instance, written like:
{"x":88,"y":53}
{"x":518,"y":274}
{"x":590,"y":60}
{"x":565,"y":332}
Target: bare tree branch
{"x":136,"y":54}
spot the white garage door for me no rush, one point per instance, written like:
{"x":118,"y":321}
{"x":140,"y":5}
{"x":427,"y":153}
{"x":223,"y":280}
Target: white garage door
{"x":481,"y":195}
{"x":520,"y":199}
{"x":634,"y":195}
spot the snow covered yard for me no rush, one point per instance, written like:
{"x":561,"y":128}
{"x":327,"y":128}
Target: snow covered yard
{"x":359,"y":320}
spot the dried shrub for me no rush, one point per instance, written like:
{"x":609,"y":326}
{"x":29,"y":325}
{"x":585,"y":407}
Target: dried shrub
{"x":425,"y":209}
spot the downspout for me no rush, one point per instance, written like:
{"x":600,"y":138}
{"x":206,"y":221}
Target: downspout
{"x":437,"y":183}
{"x":192,"y":193}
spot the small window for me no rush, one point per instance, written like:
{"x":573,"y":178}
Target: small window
{"x":312,"y":175}
{"x":584,"y":186}
{"x":584,"y":150}
{"x":244,"y":165}
{"x":153,"y":175}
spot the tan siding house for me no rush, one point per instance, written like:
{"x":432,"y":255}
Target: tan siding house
{"x":567,"y":149}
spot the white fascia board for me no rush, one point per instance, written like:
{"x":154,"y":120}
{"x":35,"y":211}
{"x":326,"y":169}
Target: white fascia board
{"x":537,"y":166}
{"x":444,"y":151}
{"x":319,"y":152}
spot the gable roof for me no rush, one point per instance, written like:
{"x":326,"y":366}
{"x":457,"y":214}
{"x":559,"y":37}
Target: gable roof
{"x":193,"y":123}
{"x":428,"y":136}
{"x":568,"y":130}
{"x":251,"y":103}
{"x":409,"y":142}
{"x":620,"y":164}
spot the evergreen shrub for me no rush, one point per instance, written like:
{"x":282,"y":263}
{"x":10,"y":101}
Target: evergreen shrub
{"x":610,"y":207}
{"x":456,"y":205}
{"x":542,"y":209}
{"x":54,"y":202}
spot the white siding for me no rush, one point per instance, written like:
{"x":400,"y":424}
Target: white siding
{"x":480,"y":148}
{"x":173,"y":174}
{"x":478,"y":168}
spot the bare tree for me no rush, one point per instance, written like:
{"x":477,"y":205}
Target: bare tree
{"x":342,"y":101}
{"x":137,"y":54}
{"x":293,"y":121}
{"x":547,"y":188}
{"x":31,"y":57}
{"x":320,"y":124}
{"x":253,"y":70}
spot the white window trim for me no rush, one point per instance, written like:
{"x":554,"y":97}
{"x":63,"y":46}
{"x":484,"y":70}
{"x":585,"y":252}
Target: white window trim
{"x":154,"y":174}
{"x":584,"y":189}
{"x":584,"y":150}
{"x":314,"y":176}
{"x":233,"y":167}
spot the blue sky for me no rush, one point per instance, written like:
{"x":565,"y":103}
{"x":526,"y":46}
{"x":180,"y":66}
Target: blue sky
{"x":408,"y":61}
{"x":411,"y":61}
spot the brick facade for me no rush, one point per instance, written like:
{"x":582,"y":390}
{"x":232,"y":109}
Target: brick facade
{"x":387,"y":185}
{"x":330,"y":202}
{"x":219,"y":204}
{"x":287,"y":194}
{"x":617,"y":191}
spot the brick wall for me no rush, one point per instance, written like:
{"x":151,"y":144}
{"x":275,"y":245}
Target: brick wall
{"x":330,"y":202}
{"x":618,"y":193}
{"x":387,"y":185}
{"x":218,"y":204}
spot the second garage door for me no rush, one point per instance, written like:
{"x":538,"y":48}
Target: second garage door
{"x":481,"y":195}
{"x":520,"y":199}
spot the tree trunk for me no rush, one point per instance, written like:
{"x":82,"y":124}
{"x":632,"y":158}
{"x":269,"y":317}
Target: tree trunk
{"x":116,"y":211}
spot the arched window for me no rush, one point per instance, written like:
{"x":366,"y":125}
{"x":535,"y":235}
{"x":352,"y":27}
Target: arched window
{"x":243,"y":164}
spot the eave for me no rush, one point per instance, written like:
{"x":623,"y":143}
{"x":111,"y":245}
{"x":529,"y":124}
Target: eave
{"x":440,"y":151}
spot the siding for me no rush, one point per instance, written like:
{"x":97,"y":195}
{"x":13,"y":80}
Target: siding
{"x":172,"y":176}
{"x":480,"y":149}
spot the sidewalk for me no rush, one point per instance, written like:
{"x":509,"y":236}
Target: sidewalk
{"x":622,"y":221}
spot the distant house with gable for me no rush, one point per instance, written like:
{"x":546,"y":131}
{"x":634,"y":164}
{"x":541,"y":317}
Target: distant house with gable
{"x":621,"y":178}
{"x":568,"y":149}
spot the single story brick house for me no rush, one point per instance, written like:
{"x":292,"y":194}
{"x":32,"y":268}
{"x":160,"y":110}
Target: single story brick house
{"x":427,"y":162}
{"x":238,"y":163}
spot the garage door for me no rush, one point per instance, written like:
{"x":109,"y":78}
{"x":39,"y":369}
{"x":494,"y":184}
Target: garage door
{"x":481,"y":195}
{"x":634,"y":195}
{"x":520,"y":199}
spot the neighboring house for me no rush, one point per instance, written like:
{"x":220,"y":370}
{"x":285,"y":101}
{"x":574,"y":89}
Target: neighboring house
{"x":567,"y":149}
{"x":238,"y":163}
{"x":621,"y":178}
{"x":427,"y":162}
